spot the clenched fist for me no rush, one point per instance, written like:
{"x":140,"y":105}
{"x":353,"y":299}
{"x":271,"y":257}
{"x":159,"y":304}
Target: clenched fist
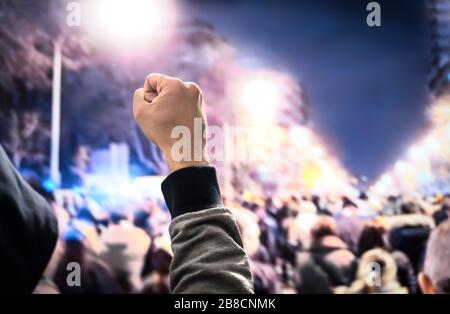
{"x":166,"y":105}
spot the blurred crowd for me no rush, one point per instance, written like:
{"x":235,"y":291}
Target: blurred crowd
{"x":316,"y":245}
{"x":299,"y":244}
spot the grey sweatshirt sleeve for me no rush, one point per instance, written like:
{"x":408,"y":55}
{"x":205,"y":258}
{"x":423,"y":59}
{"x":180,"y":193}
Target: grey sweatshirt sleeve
{"x":206,"y":243}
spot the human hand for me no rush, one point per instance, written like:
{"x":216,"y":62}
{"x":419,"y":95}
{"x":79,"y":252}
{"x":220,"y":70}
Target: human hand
{"x":166,"y":107}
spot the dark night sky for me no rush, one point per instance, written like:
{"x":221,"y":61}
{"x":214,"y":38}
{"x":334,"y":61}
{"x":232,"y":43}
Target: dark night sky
{"x":367,"y":86}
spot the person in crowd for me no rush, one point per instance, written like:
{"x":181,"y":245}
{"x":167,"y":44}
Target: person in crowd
{"x":262,"y":265}
{"x":348,"y":222}
{"x":443,"y":213}
{"x":96,"y":277}
{"x":126,"y":247}
{"x":74,"y":175}
{"x":329,"y":262}
{"x":392,"y":206}
{"x":268,"y":231}
{"x":372,"y":237}
{"x":379,"y":279}
{"x":409,"y":232}
{"x":47,"y":283}
{"x":320,"y":205}
{"x":156,"y":271}
{"x":435,"y":276}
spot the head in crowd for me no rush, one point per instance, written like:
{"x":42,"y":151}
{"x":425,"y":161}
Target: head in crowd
{"x":442,"y":215}
{"x":371,"y":237}
{"x":411,"y":208}
{"x":155,"y":272}
{"x":347,"y":202}
{"x":435,"y":277}
{"x":446,"y":201}
{"x":325,"y":226}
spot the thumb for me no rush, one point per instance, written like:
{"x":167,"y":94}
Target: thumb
{"x":156,"y":82}
{"x":154,"y":85}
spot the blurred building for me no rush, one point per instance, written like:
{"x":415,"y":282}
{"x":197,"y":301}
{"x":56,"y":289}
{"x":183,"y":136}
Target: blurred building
{"x":439,"y":76}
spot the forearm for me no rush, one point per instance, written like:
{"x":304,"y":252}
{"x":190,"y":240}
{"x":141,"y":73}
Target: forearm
{"x":207,"y":246}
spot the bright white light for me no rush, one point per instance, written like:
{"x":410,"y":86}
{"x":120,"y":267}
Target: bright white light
{"x":400,"y":166}
{"x":318,"y":151}
{"x":417,"y":153}
{"x":386,"y":180}
{"x":432,"y":143}
{"x":133,"y":19}
{"x":299,"y":135}
{"x":380,"y":187}
{"x":261,"y":97}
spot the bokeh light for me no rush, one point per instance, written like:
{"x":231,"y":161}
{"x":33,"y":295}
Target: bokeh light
{"x":262,"y":96}
{"x":123,"y":24}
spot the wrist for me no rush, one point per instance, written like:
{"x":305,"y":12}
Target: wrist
{"x":175,"y":164}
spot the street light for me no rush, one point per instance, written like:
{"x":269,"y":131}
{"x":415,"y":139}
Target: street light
{"x":127,"y":19}
{"x":133,"y":20}
{"x":56,"y":114}
{"x":260,"y":97}
{"x":299,"y":135}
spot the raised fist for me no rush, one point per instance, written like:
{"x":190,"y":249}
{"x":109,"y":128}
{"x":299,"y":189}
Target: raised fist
{"x":166,"y":105}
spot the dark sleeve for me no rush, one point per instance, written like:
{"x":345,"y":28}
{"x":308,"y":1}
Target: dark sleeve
{"x":208,"y":255}
{"x":191,"y":189}
{"x":28,"y":231}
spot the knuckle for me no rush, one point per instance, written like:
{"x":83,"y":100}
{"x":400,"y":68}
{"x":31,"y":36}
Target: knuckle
{"x":193,"y":88}
{"x":177,"y":83}
{"x":153,"y":75}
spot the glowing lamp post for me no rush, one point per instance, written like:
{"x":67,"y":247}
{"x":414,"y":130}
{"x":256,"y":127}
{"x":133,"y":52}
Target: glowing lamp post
{"x":133,"y":21}
{"x":260,"y":97}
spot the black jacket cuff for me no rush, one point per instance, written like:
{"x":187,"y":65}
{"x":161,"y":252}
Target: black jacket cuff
{"x":191,"y":189}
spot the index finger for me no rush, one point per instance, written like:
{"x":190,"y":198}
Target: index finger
{"x":155,"y":83}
